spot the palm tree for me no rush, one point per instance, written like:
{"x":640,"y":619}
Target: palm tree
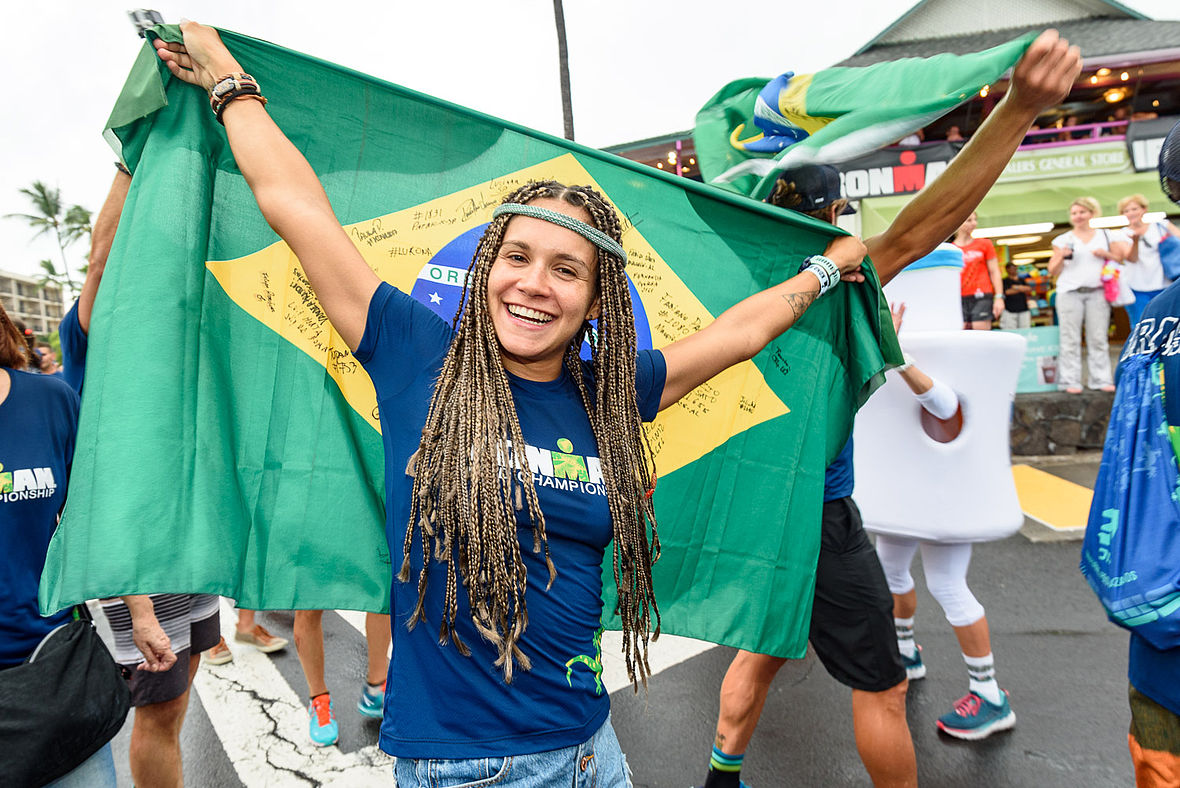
{"x":67,"y":225}
{"x":567,"y":110}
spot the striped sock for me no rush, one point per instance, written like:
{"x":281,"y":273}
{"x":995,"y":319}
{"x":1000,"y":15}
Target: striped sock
{"x":982,"y":671}
{"x":905,"y":636}
{"x":724,"y":770}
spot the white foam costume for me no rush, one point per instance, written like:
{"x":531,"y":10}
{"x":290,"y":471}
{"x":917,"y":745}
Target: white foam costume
{"x":908,"y":484}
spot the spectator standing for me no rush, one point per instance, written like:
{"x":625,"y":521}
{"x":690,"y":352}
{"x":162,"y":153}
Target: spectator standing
{"x":979,"y":283}
{"x":1016,"y":313}
{"x":38,"y":424}
{"x":1143,"y":273}
{"x":1078,"y":257}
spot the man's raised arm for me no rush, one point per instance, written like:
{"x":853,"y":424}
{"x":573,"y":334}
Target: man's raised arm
{"x":1041,"y":79}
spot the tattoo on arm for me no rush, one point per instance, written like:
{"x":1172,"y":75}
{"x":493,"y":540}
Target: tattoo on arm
{"x":798,"y":302}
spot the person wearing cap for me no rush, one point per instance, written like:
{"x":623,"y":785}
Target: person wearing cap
{"x":852,"y":626}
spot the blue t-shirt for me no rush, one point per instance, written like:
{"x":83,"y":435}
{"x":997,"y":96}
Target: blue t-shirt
{"x":73,"y":348}
{"x":839,"y":479}
{"x":38,"y":422}
{"x":1152,"y":671}
{"x":440,"y":704}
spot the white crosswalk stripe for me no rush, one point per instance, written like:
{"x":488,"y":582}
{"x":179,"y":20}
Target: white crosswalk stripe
{"x":258,"y":715}
{"x":262,"y":725}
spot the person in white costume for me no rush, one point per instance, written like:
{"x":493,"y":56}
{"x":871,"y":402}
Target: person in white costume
{"x":955,"y":444}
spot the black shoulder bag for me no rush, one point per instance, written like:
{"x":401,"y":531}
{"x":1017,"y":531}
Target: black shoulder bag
{"x":61,"y":705}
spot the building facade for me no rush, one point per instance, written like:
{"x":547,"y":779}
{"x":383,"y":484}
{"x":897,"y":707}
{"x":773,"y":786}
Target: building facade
{"x":1102,"y":141}
{"x":40,"y":307}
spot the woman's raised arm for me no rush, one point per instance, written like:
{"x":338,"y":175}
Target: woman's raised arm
{"x":286,"y":188}
{"x":742,"y":331}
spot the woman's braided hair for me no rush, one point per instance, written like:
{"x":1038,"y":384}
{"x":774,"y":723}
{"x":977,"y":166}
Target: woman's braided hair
{"x":470,"y":478}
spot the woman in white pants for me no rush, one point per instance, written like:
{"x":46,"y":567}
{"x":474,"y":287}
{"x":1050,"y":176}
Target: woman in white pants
{"x":984,"y":709}
{"x":1078,"y":257}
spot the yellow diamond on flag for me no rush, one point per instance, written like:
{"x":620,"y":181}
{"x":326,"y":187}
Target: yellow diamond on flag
{"x":406,"y":248}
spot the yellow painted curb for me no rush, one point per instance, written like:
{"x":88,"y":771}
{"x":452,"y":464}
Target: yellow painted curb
{"x":1050,"y":500}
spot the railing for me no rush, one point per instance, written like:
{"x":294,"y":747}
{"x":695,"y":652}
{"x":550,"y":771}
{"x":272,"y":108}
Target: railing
{"x":1075,"y":135}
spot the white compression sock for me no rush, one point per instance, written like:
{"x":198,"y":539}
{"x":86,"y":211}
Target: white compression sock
{"x":905,"y":636}
{"x":983,"y":677}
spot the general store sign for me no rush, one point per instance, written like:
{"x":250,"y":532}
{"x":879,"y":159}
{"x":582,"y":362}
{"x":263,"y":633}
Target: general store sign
{"x":1089,"y":159}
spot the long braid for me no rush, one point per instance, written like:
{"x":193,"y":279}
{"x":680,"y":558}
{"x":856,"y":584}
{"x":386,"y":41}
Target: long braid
{"x":468,"y":483}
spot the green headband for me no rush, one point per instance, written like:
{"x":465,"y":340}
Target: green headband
{"x":591,"y":234}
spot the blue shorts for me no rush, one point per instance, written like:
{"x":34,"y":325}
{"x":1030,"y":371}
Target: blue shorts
{"x":597,"y":763}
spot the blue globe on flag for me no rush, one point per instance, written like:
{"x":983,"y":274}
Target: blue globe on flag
{"x":439,"y":286}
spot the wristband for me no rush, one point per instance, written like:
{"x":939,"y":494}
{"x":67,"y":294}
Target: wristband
{"x":829,"y":266}
{"x":230,"y":87}
{"x":822,"y":269}
{"x":818,"y":271}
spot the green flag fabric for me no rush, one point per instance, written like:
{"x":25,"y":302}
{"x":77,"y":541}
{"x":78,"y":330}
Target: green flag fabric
{"x":239,"y":452}
{"x":754,"y":128}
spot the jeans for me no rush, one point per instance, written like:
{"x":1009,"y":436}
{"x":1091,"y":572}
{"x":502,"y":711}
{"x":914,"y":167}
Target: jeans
{"x":597,"y":763}
{"x":1074,"y":310}
{"x":97,"y":771}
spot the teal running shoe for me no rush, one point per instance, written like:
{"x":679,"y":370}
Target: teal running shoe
{"x":914,"y":667}
{"x":321,"y":721}
{"x":372,"y":705}
{"x":973,"y":718}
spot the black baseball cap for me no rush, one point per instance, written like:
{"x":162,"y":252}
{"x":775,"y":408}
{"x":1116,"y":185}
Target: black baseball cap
{"x":817,"y":184}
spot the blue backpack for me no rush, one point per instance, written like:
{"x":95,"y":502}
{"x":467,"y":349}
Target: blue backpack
{"x":1131,"y":551}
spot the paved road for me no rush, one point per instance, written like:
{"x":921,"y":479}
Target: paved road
{"x":1064,"y":666}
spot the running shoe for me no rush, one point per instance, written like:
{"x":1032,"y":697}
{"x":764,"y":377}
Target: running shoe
{"x":372,"y":705}
{"x":321,"y":721}
{"x":914,"y":667}
{"x":260,"y":639}
{"x":974,"y":717}
{"x":219,"y":654}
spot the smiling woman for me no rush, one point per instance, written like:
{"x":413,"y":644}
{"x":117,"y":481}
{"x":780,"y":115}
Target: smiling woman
{"x":510,"y":463}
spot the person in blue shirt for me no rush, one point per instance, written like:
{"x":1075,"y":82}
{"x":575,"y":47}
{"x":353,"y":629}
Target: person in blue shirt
{"x":1152,"y":668}
{"x":1154,"y":739}
{"x":510,"y":464}
{"x":38,"y":424}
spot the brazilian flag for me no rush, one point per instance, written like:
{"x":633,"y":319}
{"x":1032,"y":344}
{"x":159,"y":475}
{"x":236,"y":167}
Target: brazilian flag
{"x":239,"y":454}
{"x":753,"y":128}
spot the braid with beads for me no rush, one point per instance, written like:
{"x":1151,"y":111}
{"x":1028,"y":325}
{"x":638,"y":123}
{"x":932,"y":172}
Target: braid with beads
{"x":468,"y":483}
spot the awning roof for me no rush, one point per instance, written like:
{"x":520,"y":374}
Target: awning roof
{"x":1024,"y":202}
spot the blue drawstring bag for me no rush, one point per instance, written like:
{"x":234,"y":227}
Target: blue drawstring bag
{"x":1131,"y":551}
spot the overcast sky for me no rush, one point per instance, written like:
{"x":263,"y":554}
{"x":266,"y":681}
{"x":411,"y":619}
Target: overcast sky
{"x":639,"y":68}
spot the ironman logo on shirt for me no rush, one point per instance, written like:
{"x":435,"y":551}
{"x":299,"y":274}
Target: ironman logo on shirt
{"x":25,"y":484}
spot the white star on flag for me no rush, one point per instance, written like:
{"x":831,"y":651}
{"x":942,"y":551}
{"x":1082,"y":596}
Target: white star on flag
{"x":435,"y":298}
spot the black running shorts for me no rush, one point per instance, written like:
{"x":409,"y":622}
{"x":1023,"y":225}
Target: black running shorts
{"x":852,"y":628}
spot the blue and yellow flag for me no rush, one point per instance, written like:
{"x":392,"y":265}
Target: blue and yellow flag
{"x":754,"y":128}
{"x":242,"y":457}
